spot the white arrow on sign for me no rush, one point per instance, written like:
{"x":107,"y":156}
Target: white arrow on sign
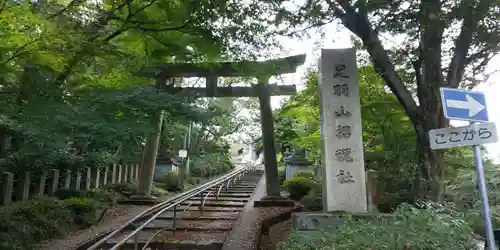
{"x":471,"y":104}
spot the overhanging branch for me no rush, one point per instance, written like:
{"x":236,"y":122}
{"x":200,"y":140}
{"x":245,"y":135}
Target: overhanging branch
{"x":464,"y":40}
{"x":360,"y":26}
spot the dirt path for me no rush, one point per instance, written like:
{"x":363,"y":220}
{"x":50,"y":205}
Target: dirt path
{"x":113,"y":218}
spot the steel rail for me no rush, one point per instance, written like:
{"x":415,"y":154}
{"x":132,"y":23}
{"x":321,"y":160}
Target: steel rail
{"x":162,"y":207}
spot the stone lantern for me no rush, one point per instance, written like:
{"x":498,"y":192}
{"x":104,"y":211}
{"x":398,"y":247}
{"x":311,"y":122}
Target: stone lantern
{"x":297,"y":161}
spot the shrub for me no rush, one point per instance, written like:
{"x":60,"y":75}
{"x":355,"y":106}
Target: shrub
{"x":125,"y":189}
{"x":65,"y":193}
{"x":197,"y":171}
{"x":156,"y":191}
{"x":282,"y":174}
{"x":409,"y":228}
{"x":102,"y":195}
{"x":226,"y":167}
{"x":304,"y":174}
{"x":228,"y":164}
{"x":84,"y":209}
{"x":26,"y":223}
{"x":298,"y":187}
{"x":313,"y":201}
{"x":171,"y":182}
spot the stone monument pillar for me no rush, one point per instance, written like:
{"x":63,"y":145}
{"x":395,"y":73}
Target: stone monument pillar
{"x":344,"y":186}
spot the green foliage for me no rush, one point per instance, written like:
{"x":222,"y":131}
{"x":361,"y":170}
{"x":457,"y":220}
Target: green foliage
{"x":102,"y":195}
{"x":282,"y":174}
{"x":171,"y":182}
{"x":70,"y":93}
{"x":85,"y":210}
{"x":304,"y":174}
{"x":157,"y":191}
{"x":208,"y":166}
{"x":65,"y":193}
{"x":298,"y":186}
{"x":26,"y":223}
{"x":125,"y":189}
{"x":408,"y":228}
{"x":463,"y":192}
{"x":313,"y":201}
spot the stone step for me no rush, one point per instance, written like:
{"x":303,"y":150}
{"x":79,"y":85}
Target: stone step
{"x":181,"y":240}
{"x":232,"y":191}
{"x":210,"y":209}
{"x":245,"y":185}
{"x":196,"y":215}
{"x":214,"y":203}
{"x":232,"y":195}
{"x":213,"y":198}
{"x":189,"y":225}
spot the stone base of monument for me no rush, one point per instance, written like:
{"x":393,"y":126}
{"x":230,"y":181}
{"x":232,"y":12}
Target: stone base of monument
{"x":140,"y":200}
{"x":270,"y":201}
{"x":307,"y":221}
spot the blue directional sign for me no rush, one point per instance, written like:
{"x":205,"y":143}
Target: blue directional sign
{"x":464,"y":105}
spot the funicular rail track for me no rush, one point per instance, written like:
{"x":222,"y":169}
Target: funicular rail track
{"x":200,"y":218}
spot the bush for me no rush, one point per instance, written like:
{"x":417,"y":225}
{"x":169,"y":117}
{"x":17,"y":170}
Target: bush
{"x":156,"y":191}
{"x":410,"y":228}
{"x":228,"y":164}
{"x":171,"y":182}
{"x":197,"y":171}
{"x":85,"y":210}
{"x":102,"y":195}
{"x":313,"y":201}
{"x":65,"y":193}
{"x":126,"y":189}
{"x":282,"y":175}
{"x":26,"y":223}
{"x":304,"y":174}
{"x":298,"y":187}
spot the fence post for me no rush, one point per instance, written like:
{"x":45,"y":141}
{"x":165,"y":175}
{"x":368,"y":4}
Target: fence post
{"x":96,"y":177}
{"x":137,"y":167}
{"x":67,"y":179}
{"x":40,"y":190}
{"x":88,"y":176}
{"x":119,"y":174}
{"x":78,"y":180}
{"x":105,"y":176}
{"x":7,"y":188}
{"x":113,"y":174}
{"x":24,"y":188}
{"x":53,"y":182}
{"x":131,"y":172}
{"x":125,"y":173}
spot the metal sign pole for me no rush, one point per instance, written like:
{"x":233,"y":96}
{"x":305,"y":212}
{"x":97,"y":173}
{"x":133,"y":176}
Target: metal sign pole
{"x":488,"y":226}
{"x":469,"y":106}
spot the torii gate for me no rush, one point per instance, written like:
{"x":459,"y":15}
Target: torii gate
{"x":211,"y":71}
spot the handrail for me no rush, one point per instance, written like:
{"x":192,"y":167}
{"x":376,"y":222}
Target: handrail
{"x":160,"y":208}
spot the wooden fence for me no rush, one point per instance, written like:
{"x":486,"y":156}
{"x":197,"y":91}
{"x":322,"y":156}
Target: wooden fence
{"x":19,"y":188}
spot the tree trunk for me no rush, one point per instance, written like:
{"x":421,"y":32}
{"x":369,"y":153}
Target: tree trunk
{"x":430,"y":181}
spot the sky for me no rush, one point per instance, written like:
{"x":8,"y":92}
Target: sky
{"x":338,"y":37}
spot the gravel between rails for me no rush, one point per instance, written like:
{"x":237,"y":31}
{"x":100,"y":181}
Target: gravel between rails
{"x":114,"y":217}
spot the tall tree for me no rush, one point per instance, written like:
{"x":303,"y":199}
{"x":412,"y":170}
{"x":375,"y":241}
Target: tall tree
{"x":445,"y":44}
